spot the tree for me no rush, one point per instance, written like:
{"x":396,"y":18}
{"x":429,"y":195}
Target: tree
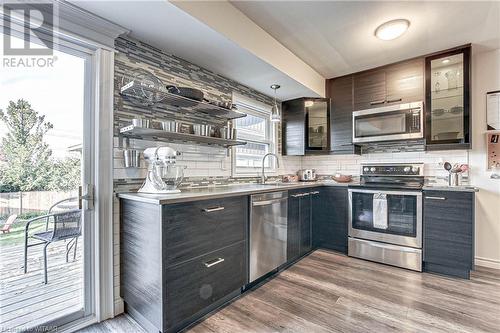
{"x":66,"y":174}
{"x":25,"y":158}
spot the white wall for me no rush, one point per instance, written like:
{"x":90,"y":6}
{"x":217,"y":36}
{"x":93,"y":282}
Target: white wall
{"x":485,"y":77}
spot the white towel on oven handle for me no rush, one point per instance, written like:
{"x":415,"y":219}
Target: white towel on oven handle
{"x":380,"y":211}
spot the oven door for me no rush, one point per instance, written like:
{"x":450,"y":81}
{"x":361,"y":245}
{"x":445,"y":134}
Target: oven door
{"x":393,"y":217}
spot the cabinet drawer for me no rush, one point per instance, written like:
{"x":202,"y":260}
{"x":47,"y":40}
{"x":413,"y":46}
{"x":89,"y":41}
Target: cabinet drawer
{"x":194,"y":285}
{"x":195,"y":228}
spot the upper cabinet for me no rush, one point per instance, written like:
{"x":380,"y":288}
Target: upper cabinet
{"x":402,"y":82}
{"x":306,"y":126}
{"x":447,"y":77}
{"x":340,"y":92}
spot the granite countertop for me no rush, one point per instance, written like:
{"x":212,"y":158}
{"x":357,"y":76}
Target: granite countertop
{"x":216,"y":192}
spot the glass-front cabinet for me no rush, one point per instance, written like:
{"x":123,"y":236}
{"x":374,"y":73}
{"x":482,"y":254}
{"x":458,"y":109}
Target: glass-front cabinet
{"x":448,"y":100}
{"x":317,"y":127}
{"x":306,"y":126}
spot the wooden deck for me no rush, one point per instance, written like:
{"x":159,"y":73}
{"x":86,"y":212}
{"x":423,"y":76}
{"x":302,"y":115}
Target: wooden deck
{"x":25,"y":301}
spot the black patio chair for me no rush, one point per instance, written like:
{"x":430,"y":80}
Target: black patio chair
{"x":65,"y":225}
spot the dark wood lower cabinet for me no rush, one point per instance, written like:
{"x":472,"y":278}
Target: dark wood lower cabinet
{"x":300,"y":215}
{"x":169,"y":282}
{"x":449,"y":232}
{"x":330,"y":219}
{"x":181,"y":261}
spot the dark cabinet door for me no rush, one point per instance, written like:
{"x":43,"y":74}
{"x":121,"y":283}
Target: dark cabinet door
{"x":447,"y":88}
{"x":196,"y":284}
{"x":293,"y":229}
{"x":449,"y":232}
{"x":369,"y":89}
{"x":305,"y":223}
{"x":405,"y":82}
{"x":340,"y":92}
{"x":293,"y":127}
{"x":330,"y":211}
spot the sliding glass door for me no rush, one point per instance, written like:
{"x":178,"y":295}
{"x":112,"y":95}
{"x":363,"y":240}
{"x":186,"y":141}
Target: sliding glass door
{"x":46,"y":216}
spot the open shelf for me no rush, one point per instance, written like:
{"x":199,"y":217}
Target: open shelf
{"x":138,"y":90}
{"x":158,"y":135}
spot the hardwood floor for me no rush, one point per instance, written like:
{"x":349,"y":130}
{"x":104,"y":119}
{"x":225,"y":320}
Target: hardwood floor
{"x":328,"y":292}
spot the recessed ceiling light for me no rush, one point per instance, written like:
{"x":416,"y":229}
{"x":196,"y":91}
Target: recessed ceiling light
{"x":392,"y":29}
{"x":445,"y":61}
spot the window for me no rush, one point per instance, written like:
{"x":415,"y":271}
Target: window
{"x":259,"y":133}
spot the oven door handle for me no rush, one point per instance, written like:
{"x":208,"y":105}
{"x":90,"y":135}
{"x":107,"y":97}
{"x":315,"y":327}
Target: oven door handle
{"x":395,"y":192}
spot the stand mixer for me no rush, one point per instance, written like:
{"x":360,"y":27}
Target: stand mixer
{"x":163,"y":175}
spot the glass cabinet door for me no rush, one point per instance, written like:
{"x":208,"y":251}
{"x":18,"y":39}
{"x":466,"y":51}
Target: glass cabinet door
{"x":447,"y":87}
{"x":317,"y":124}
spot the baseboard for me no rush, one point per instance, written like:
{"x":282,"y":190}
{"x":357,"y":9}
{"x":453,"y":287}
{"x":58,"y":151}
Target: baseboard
{"x":486,"y":262}
{"x":119,"y":306}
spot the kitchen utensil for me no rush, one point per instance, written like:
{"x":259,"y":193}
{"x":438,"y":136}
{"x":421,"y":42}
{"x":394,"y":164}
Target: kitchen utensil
{"x":141,"y":122}
{"x":446,"y":136}
{"x":456,"y":110}
{"x":170,"y":126}
{"x":228,"y":133}
{"x":131,"y":158}
{"x":339,"y":178}
{"x":163,"y":175}
{"x":454,"y":179}
{"x":307,"y":175}
{"x":438,"y":112}
{"x":289,"y":178}
{"x":447,"y":166}
{"x":464,"y":167}
{"x":147,"y":89}
{"x":191,"y":93}
{"x":202,"y":129}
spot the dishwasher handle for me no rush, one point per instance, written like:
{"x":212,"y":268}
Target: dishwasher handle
{"x":267,"y":202}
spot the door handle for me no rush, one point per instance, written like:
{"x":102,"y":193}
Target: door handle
{"x":86,"y":192}
{"x":382,"y":101}
{"x":394,"y":100}
{"x":314,"y":192}
{"x":213,"y":209}
{"x":435,"y":198}
{"x":213,"y":262}
{"x":267,"y":202}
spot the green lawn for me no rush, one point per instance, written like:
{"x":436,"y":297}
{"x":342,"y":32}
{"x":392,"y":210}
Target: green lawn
{"x":16,"y":234}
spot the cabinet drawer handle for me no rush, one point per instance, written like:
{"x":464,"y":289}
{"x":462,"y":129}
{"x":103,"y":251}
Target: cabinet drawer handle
{"x":314,"y":192}
{"x":297,"y":195}
{"x":436,"y":198}
{"x":394,"y":100}
{"x":377,"y":102}
{"x":213,"y":262}
{"x":213,"y":209}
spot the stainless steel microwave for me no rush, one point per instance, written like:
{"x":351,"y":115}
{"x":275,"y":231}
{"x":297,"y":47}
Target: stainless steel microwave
{"x":388,"y":123}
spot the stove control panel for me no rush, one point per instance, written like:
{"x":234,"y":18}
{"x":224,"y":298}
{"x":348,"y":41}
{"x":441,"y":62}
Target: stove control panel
{"x":393,"y":170}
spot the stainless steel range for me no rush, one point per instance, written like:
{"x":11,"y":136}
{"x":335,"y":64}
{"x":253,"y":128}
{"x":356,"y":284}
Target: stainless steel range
{"x":385,"y":215}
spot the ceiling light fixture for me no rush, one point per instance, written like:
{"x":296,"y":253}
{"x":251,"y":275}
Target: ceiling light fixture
{"x":392,"y":29}
{"x":275,"y":111}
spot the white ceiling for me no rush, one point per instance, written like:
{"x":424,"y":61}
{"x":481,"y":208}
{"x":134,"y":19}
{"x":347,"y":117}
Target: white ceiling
{"x":163,"y":25}
{"x":337,"y":38}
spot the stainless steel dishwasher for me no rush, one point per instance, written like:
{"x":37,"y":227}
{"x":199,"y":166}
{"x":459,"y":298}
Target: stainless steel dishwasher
{"x":268,"y":232}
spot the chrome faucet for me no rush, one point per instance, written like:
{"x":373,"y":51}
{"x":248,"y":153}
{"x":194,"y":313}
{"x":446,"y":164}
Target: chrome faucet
{"x":263,"y":176}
